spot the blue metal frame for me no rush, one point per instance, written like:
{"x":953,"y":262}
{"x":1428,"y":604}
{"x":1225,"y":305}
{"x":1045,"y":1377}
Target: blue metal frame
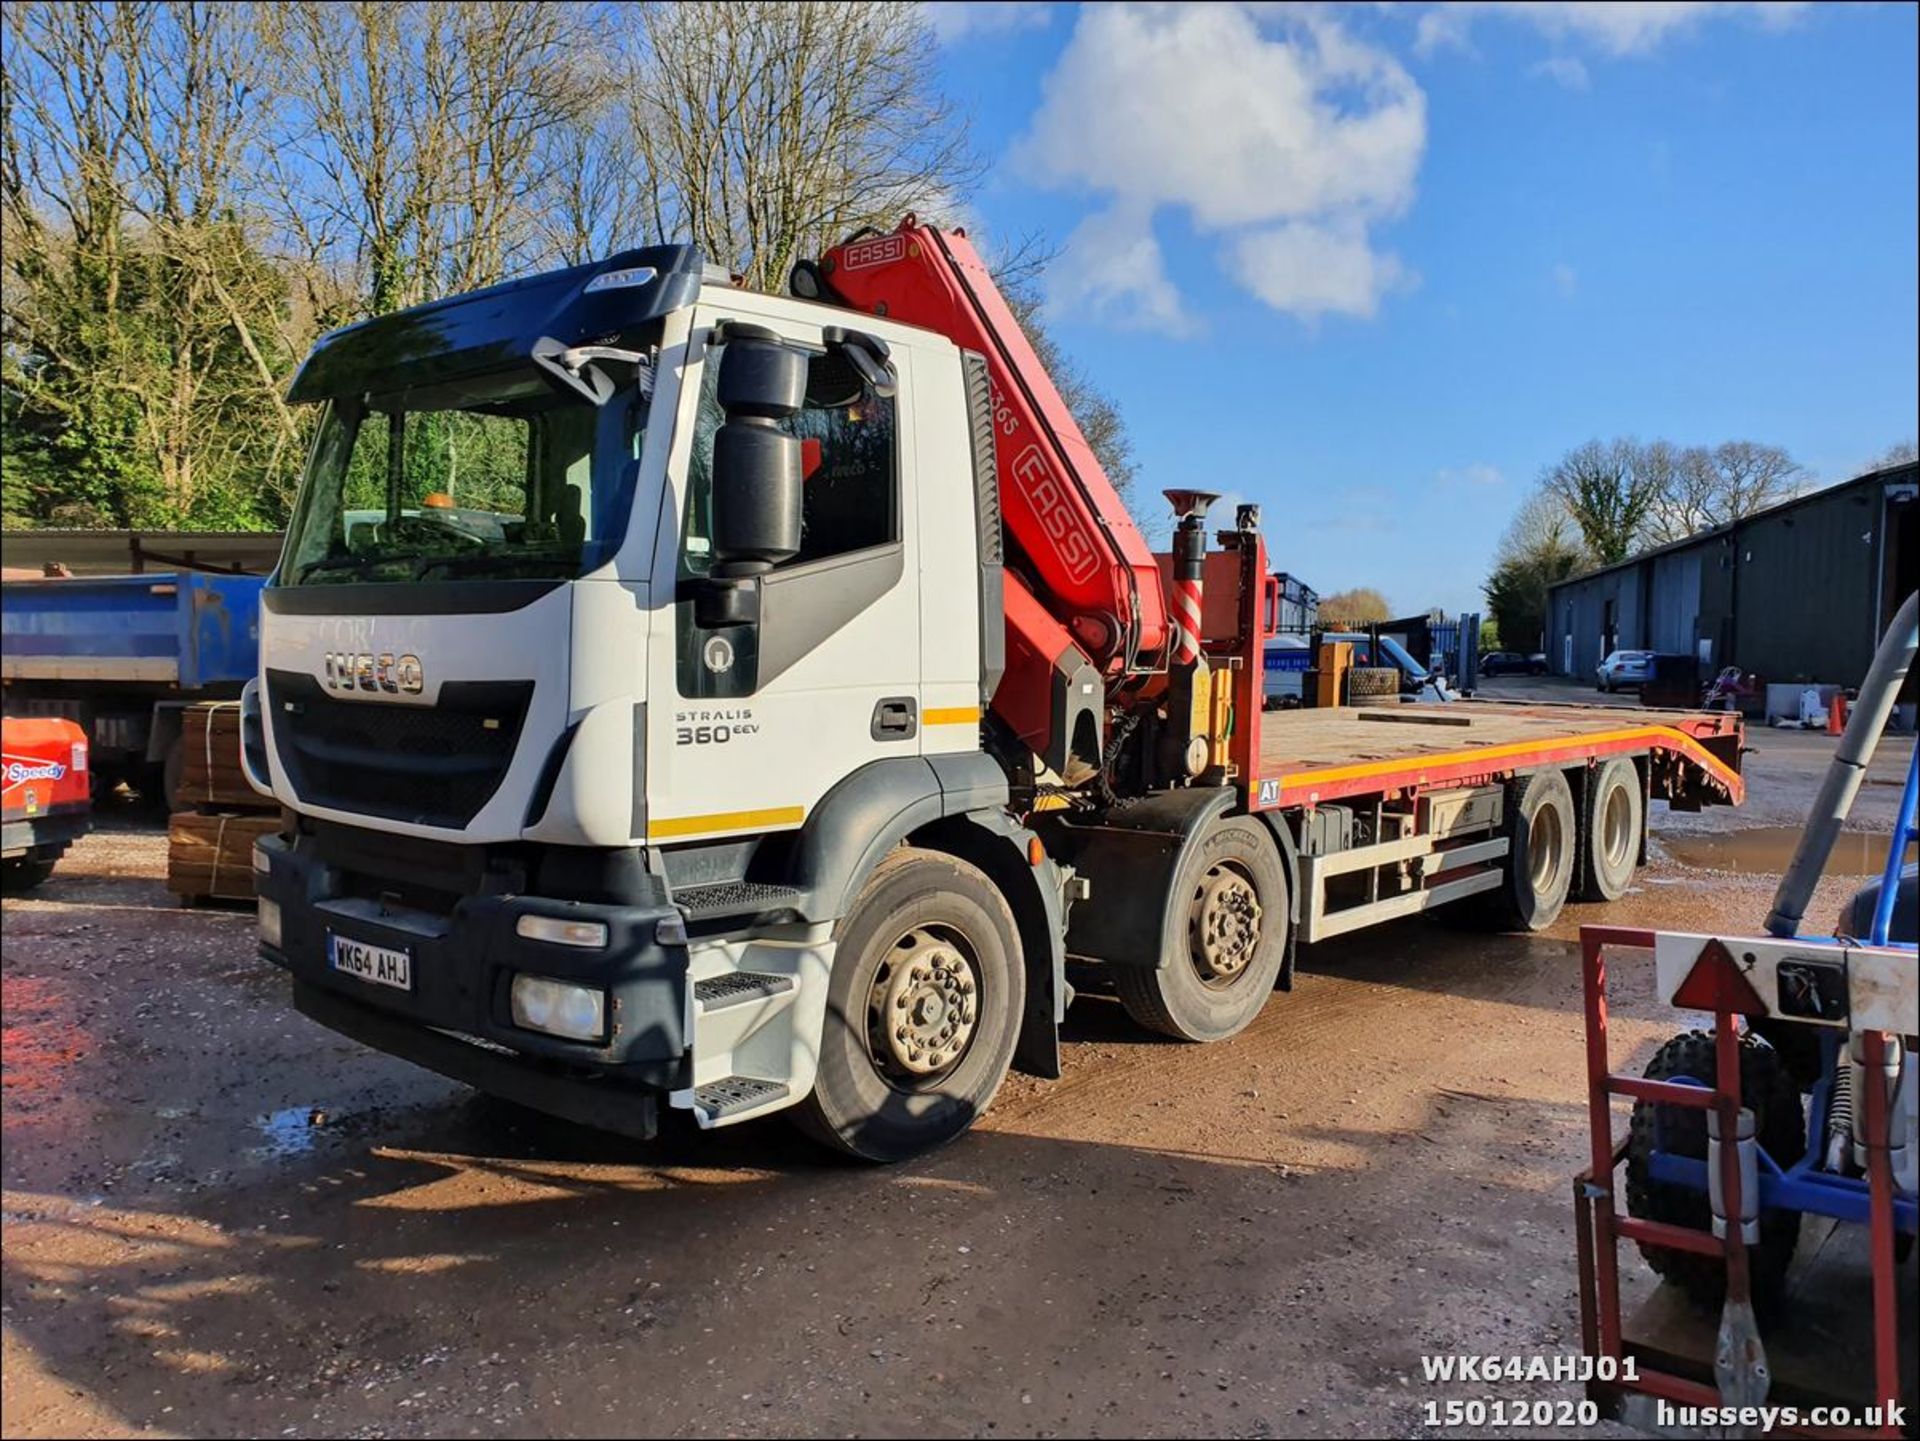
{"x":1804,"y":1186}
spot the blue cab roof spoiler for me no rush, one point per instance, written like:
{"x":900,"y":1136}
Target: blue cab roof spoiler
{"x":494,"y":328}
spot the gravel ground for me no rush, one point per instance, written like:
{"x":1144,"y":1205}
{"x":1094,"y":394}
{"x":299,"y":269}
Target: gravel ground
{"x":221,"y":1219}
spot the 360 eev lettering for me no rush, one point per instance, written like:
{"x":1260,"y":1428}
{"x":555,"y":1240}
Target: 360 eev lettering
{"x":713,"y":725}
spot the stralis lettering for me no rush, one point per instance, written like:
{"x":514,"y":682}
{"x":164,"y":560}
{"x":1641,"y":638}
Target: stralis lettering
{"x":712,"y":725}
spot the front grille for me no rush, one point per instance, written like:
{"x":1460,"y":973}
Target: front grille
{"x":429,"y":765}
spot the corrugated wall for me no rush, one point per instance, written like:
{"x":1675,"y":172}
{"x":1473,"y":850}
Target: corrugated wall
{"x":1673,"y":611}
{"x":1789,"y":594}
{"x":1805,"y":588}
{"x":1585,"y":609}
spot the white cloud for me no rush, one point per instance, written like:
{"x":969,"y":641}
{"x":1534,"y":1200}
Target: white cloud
{"x":1113,"y":269}
{"x":1615,"y":27}
{"x":965,"y":19}
{"x":1566,"y":279}
{"x":1566,"y":70}
{"x":1309,"y":270}
{"x":1280,"y":134}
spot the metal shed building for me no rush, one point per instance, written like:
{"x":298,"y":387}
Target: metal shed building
{"x":1797,"y":592}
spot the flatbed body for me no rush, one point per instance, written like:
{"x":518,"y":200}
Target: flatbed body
{"x":1312,"y":756}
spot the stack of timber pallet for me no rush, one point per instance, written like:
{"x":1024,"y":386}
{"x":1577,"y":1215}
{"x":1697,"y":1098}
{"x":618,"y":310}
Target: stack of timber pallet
{"x":217,"y":816}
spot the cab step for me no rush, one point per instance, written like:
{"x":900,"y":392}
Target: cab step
{"x":737,"y":898}
{"x":716,"y":993}
{"x":733,"y":1094}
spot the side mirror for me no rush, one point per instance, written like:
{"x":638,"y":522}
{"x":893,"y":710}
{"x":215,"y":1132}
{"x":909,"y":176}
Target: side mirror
{"x":757,"y":469}
{"x":756,"y":464}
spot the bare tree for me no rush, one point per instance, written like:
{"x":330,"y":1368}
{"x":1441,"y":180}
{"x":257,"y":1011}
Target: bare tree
{"x":1901,"y":453}
{"x":768,"y":130}
{"x":141,"y":316}
{"x":1541,"y":545}
{"x":420,"y":134}
{"x":1700,"y":489}
{"x":1608,"y":492}
{"x":594,"y":180}
{"x":518,"y":79}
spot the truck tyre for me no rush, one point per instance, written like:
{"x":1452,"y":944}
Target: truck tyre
{"x":1770,"y":1093}
{"x":1228,"y":945}
{"x":1540,"y":830}
{"x":1372,"y":683}
{"x":24,"y":873}
{"x":923,"y":1009}
{"x":1616,"y":815}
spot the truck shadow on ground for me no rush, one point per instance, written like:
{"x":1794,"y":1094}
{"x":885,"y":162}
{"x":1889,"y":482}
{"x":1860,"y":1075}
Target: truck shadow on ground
{"x":475,"y":1267}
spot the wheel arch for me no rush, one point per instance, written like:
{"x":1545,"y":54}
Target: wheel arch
{"x":997,"y":845}
{"x":955,"y":805}
{"x":1130,"y":858}
{"x":874,"y":809}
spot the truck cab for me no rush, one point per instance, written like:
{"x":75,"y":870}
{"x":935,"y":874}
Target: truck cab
{"x":547,"y":724}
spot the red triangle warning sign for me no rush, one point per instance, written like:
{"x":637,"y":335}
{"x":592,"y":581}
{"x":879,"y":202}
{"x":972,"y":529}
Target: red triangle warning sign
{"x":1716,"y":983}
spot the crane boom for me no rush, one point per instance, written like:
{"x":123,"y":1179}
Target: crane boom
{"x":1084,"y":593}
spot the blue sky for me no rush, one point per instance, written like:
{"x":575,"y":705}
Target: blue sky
{"x":1375,"y":266}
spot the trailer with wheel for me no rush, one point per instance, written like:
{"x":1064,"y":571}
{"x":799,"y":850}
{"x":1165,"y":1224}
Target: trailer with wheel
{"x":684,"y":697}
{"x":1798,"y":1102}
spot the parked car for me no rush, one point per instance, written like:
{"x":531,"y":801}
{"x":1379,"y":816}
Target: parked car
{"x":1512,"y":662}
{"x":1624,"y":670}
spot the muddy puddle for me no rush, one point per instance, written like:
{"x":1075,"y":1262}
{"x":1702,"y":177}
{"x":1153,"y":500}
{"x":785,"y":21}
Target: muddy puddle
{"x":1766,"y":851}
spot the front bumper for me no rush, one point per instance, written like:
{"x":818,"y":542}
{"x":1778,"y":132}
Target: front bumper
{"x":50,"y":831}
{"x":455,"y":1019}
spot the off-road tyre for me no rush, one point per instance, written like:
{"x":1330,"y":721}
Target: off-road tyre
{"x":1778,"y":1125}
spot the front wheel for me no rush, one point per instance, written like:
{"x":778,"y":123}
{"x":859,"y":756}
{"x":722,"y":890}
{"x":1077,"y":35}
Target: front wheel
{"x":1230,"y":938}
{"x":923,"y":1009}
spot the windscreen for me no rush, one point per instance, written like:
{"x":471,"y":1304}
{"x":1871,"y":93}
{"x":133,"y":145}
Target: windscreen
{"x":498,"y":478}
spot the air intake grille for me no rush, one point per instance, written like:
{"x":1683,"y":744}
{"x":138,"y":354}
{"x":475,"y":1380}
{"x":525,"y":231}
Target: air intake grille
{"x":986,"y":467}
{"x":429,"y":765}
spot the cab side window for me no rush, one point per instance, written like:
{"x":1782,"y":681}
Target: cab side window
{"x":850,"y":497}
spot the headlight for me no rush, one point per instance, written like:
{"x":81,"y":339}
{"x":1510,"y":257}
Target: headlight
{"x":270,"y":922}
{"x":559,"y":1008}
{"x":561,"y":932}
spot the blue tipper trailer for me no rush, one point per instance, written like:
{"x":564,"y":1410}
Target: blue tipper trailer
{"x":122,"y":655}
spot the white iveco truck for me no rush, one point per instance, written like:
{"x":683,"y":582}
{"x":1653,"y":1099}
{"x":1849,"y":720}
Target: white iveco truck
{"x":693,"y":697}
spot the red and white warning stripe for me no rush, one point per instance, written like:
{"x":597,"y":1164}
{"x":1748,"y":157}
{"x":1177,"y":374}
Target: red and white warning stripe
{"x":1186,"y":621}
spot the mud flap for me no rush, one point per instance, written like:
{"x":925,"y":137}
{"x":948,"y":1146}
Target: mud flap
{"x":1130,"y":860}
